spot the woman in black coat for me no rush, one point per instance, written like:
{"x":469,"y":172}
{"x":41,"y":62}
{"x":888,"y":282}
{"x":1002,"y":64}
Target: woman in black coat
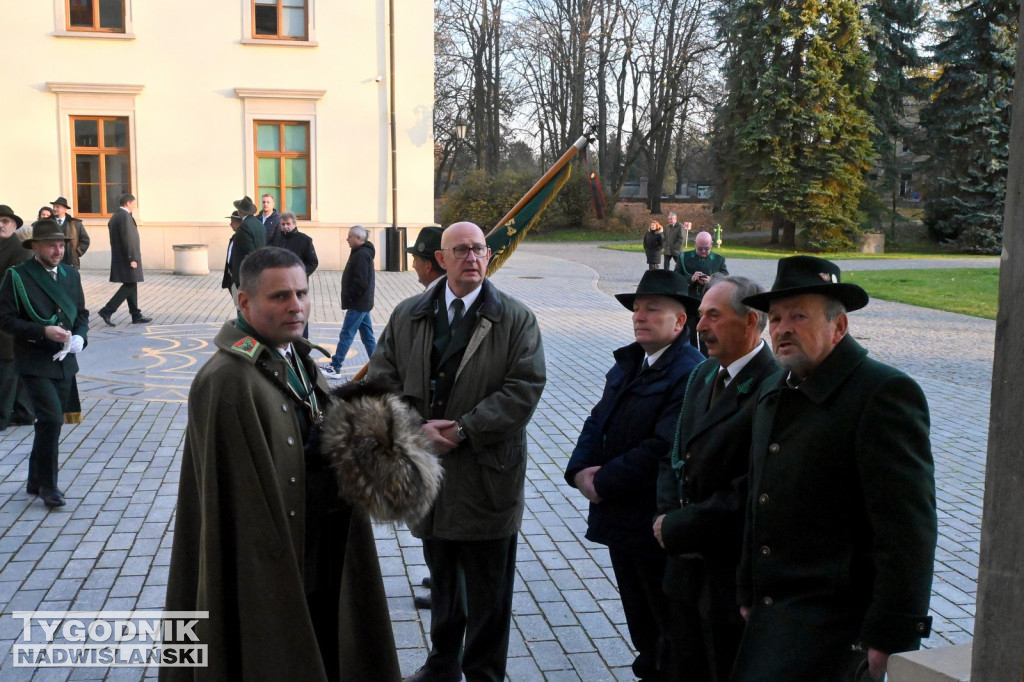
{"x":654,"y":241}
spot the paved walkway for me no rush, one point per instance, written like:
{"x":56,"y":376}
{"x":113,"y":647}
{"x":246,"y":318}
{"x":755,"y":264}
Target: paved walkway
{"x":110,"y":547}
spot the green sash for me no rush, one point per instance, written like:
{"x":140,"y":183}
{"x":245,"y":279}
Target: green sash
{"x":56,"y":293}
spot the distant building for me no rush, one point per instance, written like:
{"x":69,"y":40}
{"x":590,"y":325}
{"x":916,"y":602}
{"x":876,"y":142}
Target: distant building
{"x":191,"y":104}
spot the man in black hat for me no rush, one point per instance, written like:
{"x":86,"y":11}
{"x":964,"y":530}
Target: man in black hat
{"x":15,"y":406}
{"x":424,"y":260}
{"x":702,"y":484}
{"x":43,"y":306}
{"x":73,"y":229}
{"x":840,"y":532}
{"x":249,"y":236}
{"x":615,"y":462}
{"x":125,"y":262}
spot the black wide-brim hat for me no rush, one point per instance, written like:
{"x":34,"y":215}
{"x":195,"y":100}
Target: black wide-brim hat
{"x":427,"y":242}
{"x":662,"y":283}
{"x":7,"y":212}
{"x":60,"y":201}
{"x":44,"y":230}
{"x":245,"y":205}
{"x":799,"y":275}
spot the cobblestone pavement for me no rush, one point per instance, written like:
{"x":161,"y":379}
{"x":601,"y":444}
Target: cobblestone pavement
{"x":110,"y":547}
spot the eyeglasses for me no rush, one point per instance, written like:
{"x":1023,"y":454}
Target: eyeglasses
{"x":702,"y":248}
{"x":462,"y":252}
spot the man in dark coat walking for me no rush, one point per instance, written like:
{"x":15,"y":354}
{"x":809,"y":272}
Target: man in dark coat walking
{"x":73,"y":229}
{"x":840,"y":532}
{"x":125,"y":262}
{"x":287,"y":570}
{"x":673,"y":240}
{"x":615,"y":462}
{"x":702,"y":484}
{"x":357,"y":284}
{"x":15,"y":406}
{"x":43,"y":306}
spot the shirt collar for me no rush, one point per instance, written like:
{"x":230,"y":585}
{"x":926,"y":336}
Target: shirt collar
{"x":468,"y":300}
{"x":737,"y":366}
{"x":653,"y":357}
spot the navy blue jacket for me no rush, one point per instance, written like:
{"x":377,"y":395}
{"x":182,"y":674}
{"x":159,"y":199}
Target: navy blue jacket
{"x":627,"y":433}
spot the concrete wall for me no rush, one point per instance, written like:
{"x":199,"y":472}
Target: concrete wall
{"x":191,"y":80}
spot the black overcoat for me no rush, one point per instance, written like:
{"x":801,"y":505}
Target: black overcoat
{"x":124,"y":248}
{"x":33,"y":352}
{"x":357,"y":281}
{"x":627,"y":433}
{"x":840,"y":525}
{"x":704,"y":510}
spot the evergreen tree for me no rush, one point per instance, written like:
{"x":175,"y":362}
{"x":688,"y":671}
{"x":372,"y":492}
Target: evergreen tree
{"x":793,"y":138}
{"x":893,"y":28}
{"x":968,"y":125}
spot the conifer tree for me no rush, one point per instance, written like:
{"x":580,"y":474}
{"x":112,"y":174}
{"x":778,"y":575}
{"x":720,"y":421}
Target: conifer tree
{"x":793,"y":138}
{"x":968,"y":125}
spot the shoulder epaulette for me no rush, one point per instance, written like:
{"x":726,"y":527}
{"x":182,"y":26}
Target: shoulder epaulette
{"x":246,"y":346}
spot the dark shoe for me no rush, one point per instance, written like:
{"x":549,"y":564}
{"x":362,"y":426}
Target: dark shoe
{"x":53,"y":498}
{"x":141,"y":319}
{"x":421,"y":602}
{"x":425,"y":675}
{"x":32,"y":488}
{"x":106,"y":319}
{"x":427,"y":582}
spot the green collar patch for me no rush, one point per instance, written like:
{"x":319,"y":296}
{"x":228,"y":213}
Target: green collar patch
{"x":246,"y":346}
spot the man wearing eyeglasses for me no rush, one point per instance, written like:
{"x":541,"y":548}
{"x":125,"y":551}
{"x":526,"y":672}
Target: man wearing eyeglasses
{"x":698,"y":267}
{"x":469,"y":358}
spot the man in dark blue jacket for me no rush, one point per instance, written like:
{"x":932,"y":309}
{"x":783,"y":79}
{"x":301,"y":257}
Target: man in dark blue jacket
{"x":615,"y":463}
{"x":357,"y":283}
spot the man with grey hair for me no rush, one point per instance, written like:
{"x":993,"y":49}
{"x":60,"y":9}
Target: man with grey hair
{"x":839,"y":542}
{"x":357,"y":282}
{"x":673,"y":240}
{"x":702,"y":484}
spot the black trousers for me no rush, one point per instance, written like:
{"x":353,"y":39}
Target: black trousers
{"x":49,"y":397}
{"x":471,"y":598}
{"x":129,"y":291}
{"x":640,"y":577}
{"x":702,"y":640}
{"x":15,"y":405}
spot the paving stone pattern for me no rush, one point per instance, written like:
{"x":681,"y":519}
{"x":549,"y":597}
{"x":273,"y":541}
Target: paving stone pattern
{"x":110,"y":547}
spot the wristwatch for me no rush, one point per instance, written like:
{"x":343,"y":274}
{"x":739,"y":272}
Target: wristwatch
{"x":460,"y":432}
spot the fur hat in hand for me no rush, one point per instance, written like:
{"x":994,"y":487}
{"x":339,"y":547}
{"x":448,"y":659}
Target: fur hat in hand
{"x":384,"y":464}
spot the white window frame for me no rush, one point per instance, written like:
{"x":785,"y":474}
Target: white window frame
{"x":60,"y":24}
{"x":93,"y":99}
{"x":270,"y":104}
{"x":249,"y":35}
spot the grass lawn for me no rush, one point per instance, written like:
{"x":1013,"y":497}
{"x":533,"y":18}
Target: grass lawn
{"x":970,"y":291}
{"x":755,"y":249}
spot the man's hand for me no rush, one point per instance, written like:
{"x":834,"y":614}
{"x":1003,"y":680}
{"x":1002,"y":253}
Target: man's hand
{"x":441,"y":432}
{"x":745,"y":612}
{"x":878,"y":663}
{"x":133,"y":264}
{"x":58,"y":334}
{"x":584,"y":481}
{"x":657,"y":530}
{"x":697,"y":276}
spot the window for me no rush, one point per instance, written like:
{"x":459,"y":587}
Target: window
{"x":101,"y":164}
{"x":284,"y":19}
{"x":282,"y":164}
{"x":96,"y":15}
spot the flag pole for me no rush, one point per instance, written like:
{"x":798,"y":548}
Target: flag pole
{"x":539,"y":185}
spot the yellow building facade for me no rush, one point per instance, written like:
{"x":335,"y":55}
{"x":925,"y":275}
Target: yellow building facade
{"x":192,"y":104}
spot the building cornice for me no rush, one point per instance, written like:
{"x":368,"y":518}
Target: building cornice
{"x":279,"y":93}
{"x":94,"y":88}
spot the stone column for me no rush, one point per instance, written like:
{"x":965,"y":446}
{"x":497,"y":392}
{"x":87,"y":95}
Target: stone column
{"x":999,"y":618}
